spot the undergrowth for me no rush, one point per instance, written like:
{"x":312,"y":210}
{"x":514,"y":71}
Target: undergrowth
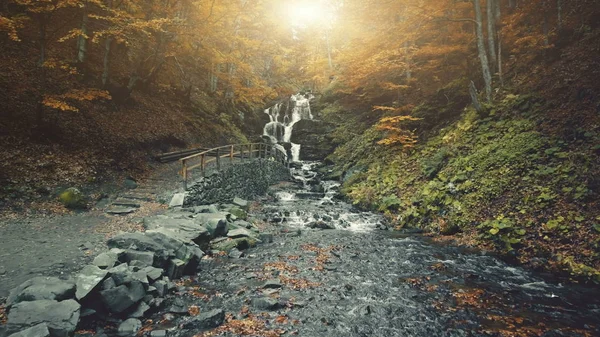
{"x":496,"y":177}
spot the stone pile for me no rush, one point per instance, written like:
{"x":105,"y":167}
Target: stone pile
{"x":132,"y":278}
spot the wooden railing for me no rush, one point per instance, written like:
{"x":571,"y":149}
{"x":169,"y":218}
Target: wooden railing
{"x":232,"y":151}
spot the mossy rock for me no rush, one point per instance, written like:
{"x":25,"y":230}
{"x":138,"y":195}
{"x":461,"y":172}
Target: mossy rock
{"x":73,"y":198}
{"x":238,"y":212}
{"x":239,"y":243}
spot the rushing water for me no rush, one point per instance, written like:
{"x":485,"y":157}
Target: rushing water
{"x":283,"y":116}
{"x":356,"y":280}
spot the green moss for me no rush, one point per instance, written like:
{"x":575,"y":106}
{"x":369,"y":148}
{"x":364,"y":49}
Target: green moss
{"x":72,"y":198}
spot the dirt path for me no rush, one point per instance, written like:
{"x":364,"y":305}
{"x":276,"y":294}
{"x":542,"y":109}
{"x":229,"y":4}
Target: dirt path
{"x":57,"y":245}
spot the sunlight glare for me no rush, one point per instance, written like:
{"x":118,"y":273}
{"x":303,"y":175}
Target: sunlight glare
{"x":307,"y":13}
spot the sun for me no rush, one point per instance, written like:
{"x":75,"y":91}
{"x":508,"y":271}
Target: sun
{"x":308,"y":13}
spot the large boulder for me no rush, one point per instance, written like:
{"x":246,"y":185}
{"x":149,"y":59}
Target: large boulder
{"x":215,"y":223}
{"x":139,"y":241}
{"x":315,"y":139}
{"x":60,"y":317}
{"x":123,"y":297}
{"x":40,"y":330}
{"x":88,"y":279}
{"x":186,"y":228}
{"x":41,"y":288}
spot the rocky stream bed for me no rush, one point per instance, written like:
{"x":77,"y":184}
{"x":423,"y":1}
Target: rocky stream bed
{"x":302,"y":263}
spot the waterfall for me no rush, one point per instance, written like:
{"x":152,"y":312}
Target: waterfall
{"x":280,"y":127}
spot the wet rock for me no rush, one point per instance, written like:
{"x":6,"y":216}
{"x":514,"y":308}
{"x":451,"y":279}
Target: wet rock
{"x":60,"y":317}
{"x":272,"y":284}
{"x":105,"y":260}
{"x":122,"y":297}
{"x":158,"y":333}
{"x":320,"y":224}
{"x":206,"y":320}
{"x":41,"y":288}
{"x":129,"y":327}
{"x":88,"y":279}
{"x":266,"y":237}
{"x":40,"y":330}
{"x":265,"y":303}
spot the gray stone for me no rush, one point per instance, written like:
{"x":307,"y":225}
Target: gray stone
{"x":161,"y":288}
{"x":158,"y":333}
{"x":320,"y":224}
{"x":40,"y":330}
{"x":41,"y":288}
{"x":89,"y":277}
{"x":153,"y":273}
{"x":141,"y":242}
{"x":187,"y":229}
{"x":215,"y":223}
{"x":272,"y":284}
{"x":206,"y":320}
{"x":175,"y":268}
{"x":266,"y":237}
{"x":123,"y":297}
{"x":235,"y":253}
{"x":120,"y":210}
{"x":140,"y":310}
{"x":145,"y":257}
{"x":265,"y":303}
{"x":121,"y":274}
{"x":239,"y":233}
{"x":140,"y":276}
{"x":129,"y":327}
{"x":177,"y":200}
{"x":240,"y":202}
{"x":105,"y":260}
{"x":109,"y":283}
{"x":60,"y":317}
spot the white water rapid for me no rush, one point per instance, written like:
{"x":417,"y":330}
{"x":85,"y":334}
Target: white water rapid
{"x":281,"y":124}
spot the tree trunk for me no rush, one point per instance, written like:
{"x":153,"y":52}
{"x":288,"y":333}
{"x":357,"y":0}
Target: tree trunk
{"x":474,"y":98}
{"x":82,"y":40}
{"x":485,"y":67}
{"x":559,"y":13}
{"x":407,"y":61}
{"x":106,"y":62}
{"x":42,"y":42}
{"x":491,"y":30}
{"x":328,"y":50}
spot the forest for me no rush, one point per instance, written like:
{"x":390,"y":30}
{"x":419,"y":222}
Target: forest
{"x":475,"y":119}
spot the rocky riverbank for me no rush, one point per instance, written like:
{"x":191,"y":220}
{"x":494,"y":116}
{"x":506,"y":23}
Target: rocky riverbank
{"x":272,"y":275}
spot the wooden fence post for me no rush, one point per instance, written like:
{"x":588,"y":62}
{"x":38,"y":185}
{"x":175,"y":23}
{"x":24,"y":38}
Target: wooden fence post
{"x":184,"y":174}
{"x":231,"y":154}
{"x":218,"y":160}
{"x":202,"y":163}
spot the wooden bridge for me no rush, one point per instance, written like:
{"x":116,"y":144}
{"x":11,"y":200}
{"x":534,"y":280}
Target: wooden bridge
{"x":227,"y":153}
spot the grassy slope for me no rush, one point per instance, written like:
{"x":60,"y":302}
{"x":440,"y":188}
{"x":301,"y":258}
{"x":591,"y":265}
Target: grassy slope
{"x":523,"y":179}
